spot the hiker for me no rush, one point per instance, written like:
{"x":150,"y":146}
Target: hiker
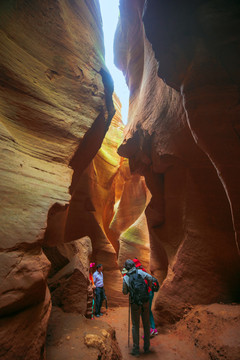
{"x":93,"y":285}
{"x":133,"y":283}
{"x":153,"y":330}
{"x":99,"y":290}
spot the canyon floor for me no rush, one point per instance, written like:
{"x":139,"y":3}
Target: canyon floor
{"x":163,"y":346}
{"x":65,"y":334}
{"x":208,"y":332}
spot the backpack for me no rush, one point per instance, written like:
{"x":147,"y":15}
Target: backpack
{"x":138,"y":289}
{"x":155,"y":285}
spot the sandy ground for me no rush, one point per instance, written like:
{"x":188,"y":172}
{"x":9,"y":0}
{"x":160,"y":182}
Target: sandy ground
{"x":163,"y":346}
{"x":210,"y":332}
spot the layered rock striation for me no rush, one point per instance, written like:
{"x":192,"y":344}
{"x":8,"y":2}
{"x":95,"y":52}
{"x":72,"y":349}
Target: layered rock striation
{"x":64,"y":191}
{"x":56,"y":106}
{"x":182,"y":135}
{"x":107,"y":205}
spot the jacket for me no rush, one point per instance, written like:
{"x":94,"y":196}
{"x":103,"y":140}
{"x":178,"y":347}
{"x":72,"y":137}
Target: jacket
{"x":145,"y":275}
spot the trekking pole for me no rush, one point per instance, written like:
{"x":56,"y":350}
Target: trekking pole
{"x":129,"y":322}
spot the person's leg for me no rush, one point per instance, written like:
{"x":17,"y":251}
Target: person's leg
{"x":152,"y":323}
{"x":135,"y":315}
{"x":146,"y":325}
{"x":97,"y":301}
{"x":101,"y":299}
{"x":92,"y":307}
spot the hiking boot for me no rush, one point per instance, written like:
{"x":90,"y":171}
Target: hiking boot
{"x":155,"y":332}
{"x":135,"y":353}
{"x":147,"y":351}
{"x":151,"y":332}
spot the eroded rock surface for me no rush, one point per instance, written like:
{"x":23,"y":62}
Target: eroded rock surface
{"x":67,"y":191}
{"x":23,"y":334}
{"x":69,"y":279}
{"x":55,"y":89}
{"x":107,"y":200}
{"x":185,"y":143}
{"x":57,"y":187}
{"x":198,"y":50}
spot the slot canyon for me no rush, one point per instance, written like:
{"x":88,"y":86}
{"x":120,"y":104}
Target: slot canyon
{"x":79,"y":186}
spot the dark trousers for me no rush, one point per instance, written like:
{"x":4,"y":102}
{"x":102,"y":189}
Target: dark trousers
{"x":100,"y":296}
{"x":136,"y":312}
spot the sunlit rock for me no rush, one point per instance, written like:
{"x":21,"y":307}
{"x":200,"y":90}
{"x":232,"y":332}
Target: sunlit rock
{"x":134,"y":242}
{"x":107,"y":200}
{"x":190,"y":215}
{"x":56,"y":106}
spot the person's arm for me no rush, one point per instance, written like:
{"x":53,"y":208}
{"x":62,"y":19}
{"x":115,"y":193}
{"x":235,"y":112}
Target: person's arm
{"x":93,"y":285}
{"x":146,"y":276}
{"x":125,"y":287}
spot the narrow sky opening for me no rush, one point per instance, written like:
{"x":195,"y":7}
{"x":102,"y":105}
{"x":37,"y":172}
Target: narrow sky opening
{"x":110,"y":13}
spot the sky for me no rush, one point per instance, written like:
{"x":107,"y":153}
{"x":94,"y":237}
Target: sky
{"x":110,"y":13}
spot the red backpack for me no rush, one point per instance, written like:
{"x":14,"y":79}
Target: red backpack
{"x":155,"y":285}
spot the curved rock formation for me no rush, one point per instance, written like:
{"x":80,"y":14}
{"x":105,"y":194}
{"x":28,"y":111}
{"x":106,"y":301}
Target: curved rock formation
{"x":69,"y":276}
{"x":61,"y":189}
{"x":56,"y":106}
{"x":67,"y":197}
{"x":102,"y":208}
{"x":197,"y":49}
{"x":186,"y":145}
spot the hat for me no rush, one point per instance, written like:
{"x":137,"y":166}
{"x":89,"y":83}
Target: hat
{"x":129,"y":264}
{"x":137,"y":262}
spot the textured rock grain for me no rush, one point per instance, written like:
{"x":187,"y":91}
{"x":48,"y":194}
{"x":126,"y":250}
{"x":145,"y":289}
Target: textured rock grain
{"x":185,"y":144}
{"x":54,"y":89}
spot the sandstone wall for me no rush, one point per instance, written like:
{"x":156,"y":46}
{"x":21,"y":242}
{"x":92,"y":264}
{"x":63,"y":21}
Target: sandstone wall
{"x":182,"y":135}
{"x":66,"y":198}
{"x":107,"y":205}
{"x":55,"y":89}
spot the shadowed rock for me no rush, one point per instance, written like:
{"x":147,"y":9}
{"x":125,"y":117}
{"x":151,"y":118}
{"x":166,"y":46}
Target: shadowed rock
{"x":185,"y":144}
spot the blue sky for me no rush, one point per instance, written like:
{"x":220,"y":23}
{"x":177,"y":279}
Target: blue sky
{"x":110,"y":13}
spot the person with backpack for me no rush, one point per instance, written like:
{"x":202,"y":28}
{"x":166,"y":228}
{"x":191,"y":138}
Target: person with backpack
{"x":151,"y":290}
{"x":134,"y":284}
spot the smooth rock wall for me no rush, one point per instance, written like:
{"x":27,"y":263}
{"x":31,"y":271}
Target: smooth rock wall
{"x":106,"y":202}
{"x":192,"y":233}
{"x":54,"y":89}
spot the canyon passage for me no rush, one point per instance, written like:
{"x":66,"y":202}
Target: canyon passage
{"x":77,"y":186}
